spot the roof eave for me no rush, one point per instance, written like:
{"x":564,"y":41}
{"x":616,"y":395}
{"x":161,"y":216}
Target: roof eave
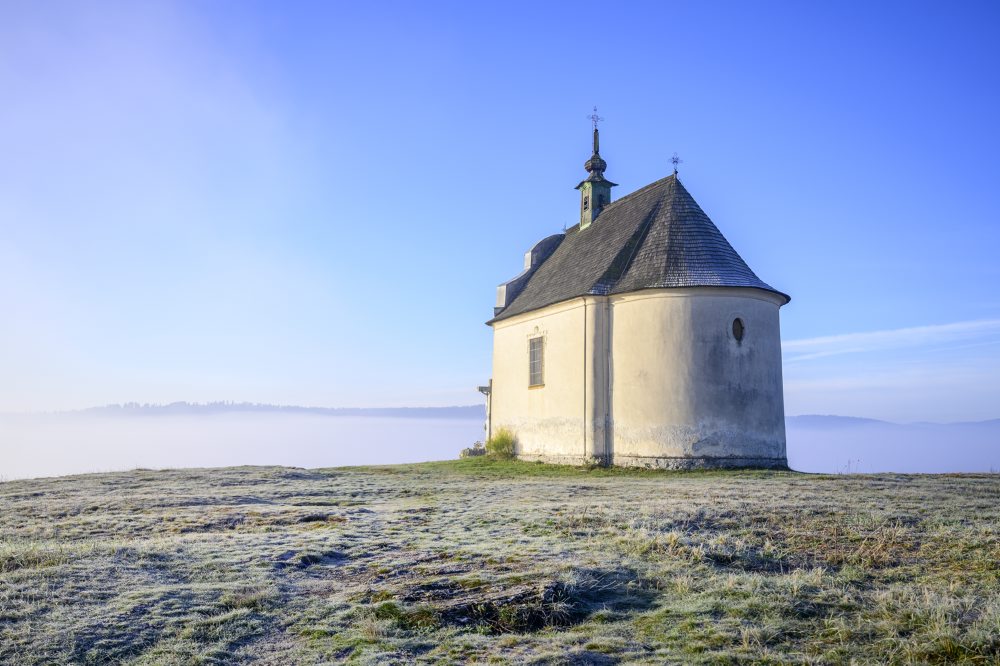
{"x":601,"y":179}
{"x":505,"y":314}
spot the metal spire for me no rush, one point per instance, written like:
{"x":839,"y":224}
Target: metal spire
{"x":594,"y":118}
{"x":675,"y":161}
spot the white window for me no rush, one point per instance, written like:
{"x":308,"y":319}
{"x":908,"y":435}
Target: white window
{"x":536,"y":361}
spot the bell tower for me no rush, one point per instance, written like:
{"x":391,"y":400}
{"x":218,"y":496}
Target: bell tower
{"x":595,"y":189}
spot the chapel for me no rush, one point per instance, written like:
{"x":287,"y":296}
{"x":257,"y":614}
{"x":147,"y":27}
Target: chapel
{"x":638,"y":337}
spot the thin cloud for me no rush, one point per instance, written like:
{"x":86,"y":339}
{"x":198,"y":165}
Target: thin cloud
{"x":967,"y":333}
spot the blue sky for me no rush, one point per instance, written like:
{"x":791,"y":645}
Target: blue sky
{"x":312,"y":203}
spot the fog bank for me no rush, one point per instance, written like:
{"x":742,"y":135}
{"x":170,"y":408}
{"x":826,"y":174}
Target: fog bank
{"x":838,"y":444}
{"x":73,"y":443}
{"x":55,"y":445}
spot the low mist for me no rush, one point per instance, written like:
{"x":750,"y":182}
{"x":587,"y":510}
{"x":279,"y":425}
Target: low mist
{"x":61,"y":444}
{"x":836,"y":444}
{"x":73,"y":443}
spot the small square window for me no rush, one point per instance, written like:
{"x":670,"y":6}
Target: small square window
{"x":536,"y":361}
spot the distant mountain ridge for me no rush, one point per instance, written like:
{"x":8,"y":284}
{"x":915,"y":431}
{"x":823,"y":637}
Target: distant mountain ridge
{"x":198,"y":409}
{"x":830,"y":421}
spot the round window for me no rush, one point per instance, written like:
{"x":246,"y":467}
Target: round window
{"x":738,"y":329}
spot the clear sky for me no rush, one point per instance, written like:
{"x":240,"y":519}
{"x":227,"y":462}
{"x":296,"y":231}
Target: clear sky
{"x":313,"y":203}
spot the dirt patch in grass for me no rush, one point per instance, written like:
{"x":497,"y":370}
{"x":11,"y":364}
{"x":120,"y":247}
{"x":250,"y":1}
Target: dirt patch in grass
{"x":518,"y":606}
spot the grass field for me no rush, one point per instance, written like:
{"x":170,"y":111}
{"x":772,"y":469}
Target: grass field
{"x":480,"y":561}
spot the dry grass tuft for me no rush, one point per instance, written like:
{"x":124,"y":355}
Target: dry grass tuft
{"x":502,"y":445}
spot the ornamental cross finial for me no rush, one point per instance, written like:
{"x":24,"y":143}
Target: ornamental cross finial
{"x":594,"y":118}
{"x":675,"y":161}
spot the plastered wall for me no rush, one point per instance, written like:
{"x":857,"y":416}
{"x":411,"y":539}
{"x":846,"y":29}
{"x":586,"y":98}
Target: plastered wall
{"x":564,"y":419}
{"x":684,"y":388}
{"x":653,"y":378}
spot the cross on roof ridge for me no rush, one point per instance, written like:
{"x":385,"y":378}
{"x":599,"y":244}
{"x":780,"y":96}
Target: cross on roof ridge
{"x":595,"y":118}
{"x":675,"y":160}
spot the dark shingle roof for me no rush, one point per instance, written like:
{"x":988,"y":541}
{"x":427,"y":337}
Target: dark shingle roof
{"x":657,"y":236}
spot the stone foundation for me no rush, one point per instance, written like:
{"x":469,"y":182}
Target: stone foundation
{"x":706,"y":462}
{"x":658,"y":462}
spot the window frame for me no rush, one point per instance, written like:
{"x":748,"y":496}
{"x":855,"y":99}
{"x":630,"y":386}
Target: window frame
{"x":536,"y":344}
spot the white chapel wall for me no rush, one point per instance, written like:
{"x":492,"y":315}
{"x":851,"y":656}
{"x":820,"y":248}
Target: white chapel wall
{"x":683,"y":388}
{"x":548,"y":421}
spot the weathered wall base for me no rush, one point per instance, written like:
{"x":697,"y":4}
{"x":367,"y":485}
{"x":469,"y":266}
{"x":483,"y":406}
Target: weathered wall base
{"x":555,"y":459}
{"x":700,"y":463}
{"x":649,"y":462}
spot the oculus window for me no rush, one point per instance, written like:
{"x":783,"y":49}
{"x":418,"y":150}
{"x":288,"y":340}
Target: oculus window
{"x":738,"y":329}
{"x":536,"y":361}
